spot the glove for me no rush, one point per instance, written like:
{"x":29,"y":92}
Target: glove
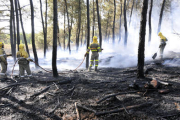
{"x":102,"y":49}
{"x":30,"y":60}
{"x":85,"y":55}
{"x":6,"y":63}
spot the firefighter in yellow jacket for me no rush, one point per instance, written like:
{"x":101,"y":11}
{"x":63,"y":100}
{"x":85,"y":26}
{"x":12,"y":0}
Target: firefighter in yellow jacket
{"x":95,"y":48}
{"x":23,"y":61}
{"x":3,"y":59}
{"x":162,"y":45}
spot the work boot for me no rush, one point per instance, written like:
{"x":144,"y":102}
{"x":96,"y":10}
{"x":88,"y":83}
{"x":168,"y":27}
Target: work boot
{"x":89,"y":69}
{"x":96,"y":68}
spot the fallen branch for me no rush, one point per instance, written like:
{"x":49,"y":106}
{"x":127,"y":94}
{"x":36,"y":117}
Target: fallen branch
{"x":77,"y":111}
{"x":88,"y":109}
{"x":56,"y":85}
{"x":58,"y":81}
{"x":115,"y":95}
{"x":55,"y":107}
{"x":70,"y":91}
{"x":164,"y":83}
{"x":122,"y":109}
{"x":38,"y":93}
{"x":13,"y":85}
{"x":9,"y":91}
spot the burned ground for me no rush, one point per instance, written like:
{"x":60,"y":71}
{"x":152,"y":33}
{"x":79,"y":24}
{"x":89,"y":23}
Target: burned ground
{"x":45,"y":97}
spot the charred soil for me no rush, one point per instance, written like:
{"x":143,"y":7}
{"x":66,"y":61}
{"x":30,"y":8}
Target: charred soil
{"x":45,"y":97}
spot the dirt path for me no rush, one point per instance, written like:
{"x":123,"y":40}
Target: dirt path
{"x":45,"y":97}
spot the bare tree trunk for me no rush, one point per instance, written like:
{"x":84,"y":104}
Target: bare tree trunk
{"x":45,"y":40}
{"x":88,"y":33}
{"x":108,"y":36}
{"x":131,"y":12}
{"x":93,"y":20}
{"x":17,"y":22}
{"x":55,"y":28}
{"x":142,"y":34}
{"x":11,"y":28}
{"x":64,"y":27}
{"x":43,"y":28}
{"x":69,"y":28}
{"x":79,"y":25}
{"x":14,"y":27}
{"x":125,"y":25}
{"x":32,"y":33}
{"x":99,"y":24}
{"x":120,"y":24}
{"x":22,"y":27}
{"x":107,"y":25}
{"x":114,"y":21}
{"x":160,"y":16}
{"x":58,"y":34}
{"x":150,"y":12}
{"x":85,"y":33}
{"x":81,"y":36}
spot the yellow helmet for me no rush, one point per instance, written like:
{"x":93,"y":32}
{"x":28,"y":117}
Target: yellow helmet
{"x":159,"y":33}
{"x":21,"y":46}
{"x":95,"y":37}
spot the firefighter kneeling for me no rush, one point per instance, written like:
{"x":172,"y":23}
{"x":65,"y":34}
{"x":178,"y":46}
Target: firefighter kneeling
{"x":23,"y":61}
{"x":95,"y":48}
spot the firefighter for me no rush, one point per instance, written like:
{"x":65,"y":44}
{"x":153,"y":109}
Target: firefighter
{"x":23,"y":61}
{"x":95,"y":48}
{"x":162,"y":45}
{"x":3,"y":60}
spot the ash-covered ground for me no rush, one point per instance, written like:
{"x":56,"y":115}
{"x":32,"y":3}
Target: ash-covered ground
{"x":45,"y":97}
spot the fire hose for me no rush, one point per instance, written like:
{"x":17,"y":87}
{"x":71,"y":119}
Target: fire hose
{"x":43,"y":68}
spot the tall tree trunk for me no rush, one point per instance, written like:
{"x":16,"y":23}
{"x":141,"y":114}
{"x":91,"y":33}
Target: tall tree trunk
{"x":11,"y":28}
{"x":55,"y":28}
{"x":93,"y":21}
{"x":150,"y":12}
{"x":131,"y":12}
{"x":114,"y":21}
{"x":17,"y":22}
{"x":14,"y":27}
{"x":69,"y":28}
{"x":125,"y":25}
{"x":120,"y":24}
{"x":32,"y":33}
{"x":142,"y":34}
{"x":64,"y":28}
{"x":22,"y":27}
{"x":58,"y":36}
{"x":99,"y":24}
{"x":107,"y":25}
{"x":79,"y":25}
{"x":108,"y":36}
{"x":85,"y":33}
{"x":45,"y":40}
{"x":43,"y":28}
{"x":160,"y":16}
{"x":81,"y":36}
{"x":88,"y":33}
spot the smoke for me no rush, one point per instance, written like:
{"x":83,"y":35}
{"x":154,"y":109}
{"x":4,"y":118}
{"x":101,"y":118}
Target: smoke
{"x":117,"y":55}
